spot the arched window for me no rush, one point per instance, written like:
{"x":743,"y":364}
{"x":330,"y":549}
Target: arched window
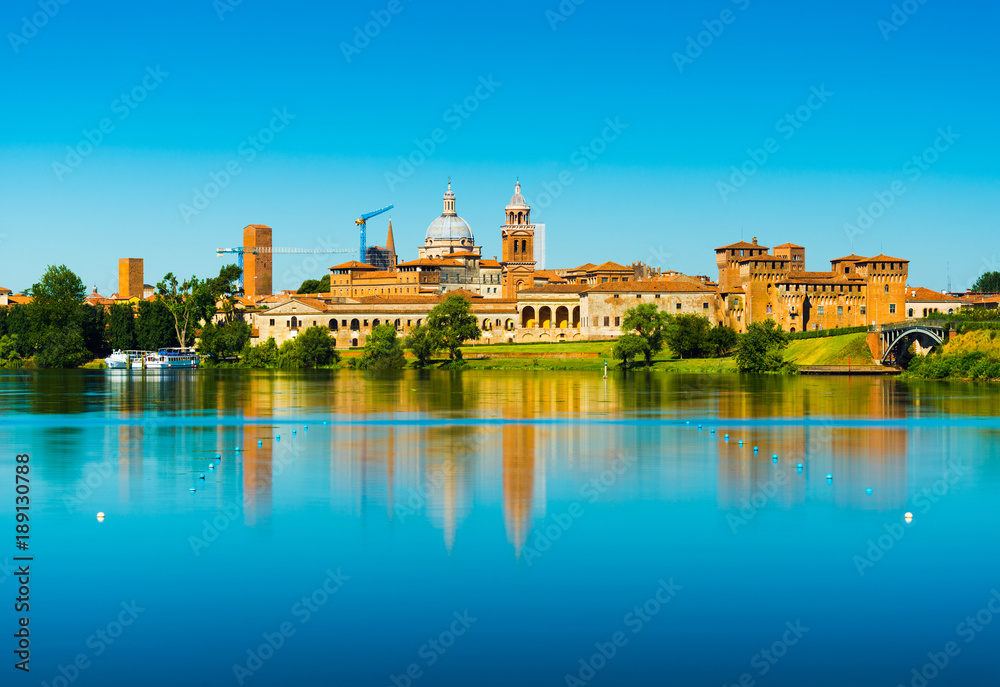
{"x":524,"y":246}
{"x":293,"y":323}
{"x":355,"y":325}
{"x":515,"y":246}
{"x":333,"y":324}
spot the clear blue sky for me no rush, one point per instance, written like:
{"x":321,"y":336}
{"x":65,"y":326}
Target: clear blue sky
{"x":652,"y":193}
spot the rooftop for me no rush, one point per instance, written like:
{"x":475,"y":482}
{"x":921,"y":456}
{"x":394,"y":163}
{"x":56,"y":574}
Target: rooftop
{"x":918,"y":293}
{"x":354,"y":265}
{"x":741,"y":246}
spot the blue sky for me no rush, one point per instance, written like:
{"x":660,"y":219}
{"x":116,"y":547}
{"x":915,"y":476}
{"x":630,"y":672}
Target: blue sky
{"x":514,"y":89}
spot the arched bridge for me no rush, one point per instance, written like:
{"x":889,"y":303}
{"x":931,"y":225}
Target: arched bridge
{"x":890,"y":342}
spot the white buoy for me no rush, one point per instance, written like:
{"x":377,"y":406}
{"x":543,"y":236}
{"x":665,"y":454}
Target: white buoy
{"x":100,"y":517}
{"x":191,"y":489}
{"x":908,"y":516}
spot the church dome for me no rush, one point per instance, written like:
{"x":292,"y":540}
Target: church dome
{"x":449,"y":226}
{"x":517,"y":200}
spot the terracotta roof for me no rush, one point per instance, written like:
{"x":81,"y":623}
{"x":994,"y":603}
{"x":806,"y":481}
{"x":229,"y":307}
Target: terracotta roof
{"x":884,"y":258}
{"x":558,"y":288}
{"x":464,"y":254}
{"x":651,"y":287}
{"x":431,"y":262}
{"x":20,"y":298}
{"x":3,"y":290}
{"x":611,"y":266}
{"x":765,"y":258}
{"x":850,"y":258}
{"x":354,"y":265}
{"x":918,"y":293}
{"x":403,"y":300}
{"x":489,"y":263}
{"x":742,"y":245}
{"x":585,"y":267}
{"x":790,"y":245}
{"x":552,"y":277}
{"x":463,"y":292}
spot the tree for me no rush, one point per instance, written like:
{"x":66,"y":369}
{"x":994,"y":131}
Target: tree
{"x":988,"y":282}
{"x":687,"y":335}
{"x":224,"y":290}
{"x":223,"y":340}
{"x":423,"y":343}
{"x":382,"y":350}
{"x":9,"y":357}
{"x":453,"y":324}
{"x":59,"y":287}
{"x":262,"y":355}
{"x":628,"y":347}
{"x":63,"y":348}
{"x":189,"y":302}
{"x":121,"y":327}
{"x":722,"y":340}
{"x":154,"y":327}
{"x":760,"y":348}
{"x":312,"y":348}
{"x":316,"y":285}
{"x":648,"y":322}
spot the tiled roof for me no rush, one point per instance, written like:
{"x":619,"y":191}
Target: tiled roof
{"x":611,"y":266}
{"x":464,"y":254}
{"x":489,"y":263}
{"x":552,"y":277}
{"x":741,"y":246}
{"x":850,"y":258}
{"x":431,"y":262}
{"x":558,"y":288}
{"x":464,"y":292}
{"x":918,"y":293}
{"x":3,"y":290}
{"x":20,"y":298}
{"x":586,"y":267}
{"x":765,"y":258}
{"x":790,"y":245}
{"x":354,"y":265}
{"x":885,"y":258}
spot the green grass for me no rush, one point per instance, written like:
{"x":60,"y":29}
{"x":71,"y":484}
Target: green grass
{"x":599,"y":347}
{"x":834,"y":350}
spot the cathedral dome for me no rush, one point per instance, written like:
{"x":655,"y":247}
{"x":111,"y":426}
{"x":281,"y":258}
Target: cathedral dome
{"x":517,"y":200}
{"x":449,"y":226}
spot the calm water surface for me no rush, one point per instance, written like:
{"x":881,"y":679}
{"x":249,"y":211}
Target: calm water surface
{"x":503,"y":528}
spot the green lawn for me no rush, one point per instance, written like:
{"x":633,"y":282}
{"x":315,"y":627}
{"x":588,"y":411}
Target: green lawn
{"x":833,"y":350}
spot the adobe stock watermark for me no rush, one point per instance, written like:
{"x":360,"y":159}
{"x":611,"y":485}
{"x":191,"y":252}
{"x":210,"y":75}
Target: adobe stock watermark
{"x":303,"y":611}
{"x":122,"y":106}
{"x":901,"y":14}
{"x":762,"y":496}
{"x":246,"y":152}
{"x":580,"y":161}
{"x":224,"y":7}
{"x":433,"y":649}
{"x":563,"y":11}
{"x":30,"y":26}
{"x":765,"y":659}
{"x":98,"y":643}
{"x":363,"y":36}
{"x":714,"y":28}
{"x":96,"y":474}
{"x":787,"y":127}
{"x":417,"y":499}
{"x":634,"y":621}
{"x":967,"y":630}
{"x":455,"y":116}
{"x":310,"y":265}
{"x":912,"y":172}
{"x":923,"y":501}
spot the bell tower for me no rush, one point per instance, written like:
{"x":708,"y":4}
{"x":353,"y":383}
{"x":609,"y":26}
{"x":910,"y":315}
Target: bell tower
{"x":518,"y":240}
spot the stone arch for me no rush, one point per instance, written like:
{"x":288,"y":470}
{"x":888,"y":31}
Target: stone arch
{"x":333,"y":324}
{"x":487,"y":325}
{"x":562,"y":317}
{"x":545,"y":317}
{"x":355,"y":325}
{"x":293,"y":323}
{"x":509,"y":324}
{"x":576,"y":317}
{"x":375,"y":323}
{"x":398,"y":324}
{"x":528,"y":317}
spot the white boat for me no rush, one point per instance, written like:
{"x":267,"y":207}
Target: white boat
{"x":127,"y":360}
{"x":178,"y":358}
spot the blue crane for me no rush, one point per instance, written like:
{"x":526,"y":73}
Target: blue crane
{"x":363,"y":223}
{"x":241,"y":250}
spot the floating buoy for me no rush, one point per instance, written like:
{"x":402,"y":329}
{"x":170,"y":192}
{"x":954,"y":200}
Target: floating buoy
{"x":237,"y":448}
{"x":713,"y":431}
{"x":699,"y":426}
{"x":191,"y":489}
{"x":829,"y":477}
{"x":908,"y":516}
{"x":324,"y":422}
{"x":100,"y":517}
{"x":774,"y":459}
{"x":218,"y":455}
{"x":277,"y":437}
{"x":306,"y":428}
{"x":687,"y":422}
{"x":741,"y":442}
{"x":755,"y":449}
{"x":201,"y":475}
{"x":293,"y":432}
{"x":260,"y":442}
{"x":727,"y":437}
{"x":868,"y":491}
{"x":211,"y":466}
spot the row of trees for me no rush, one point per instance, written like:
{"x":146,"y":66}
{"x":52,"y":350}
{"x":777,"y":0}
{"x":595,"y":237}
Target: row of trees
{"x":647,"y":330}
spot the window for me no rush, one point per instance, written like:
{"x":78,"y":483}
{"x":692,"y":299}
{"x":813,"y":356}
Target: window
{"x":604,"y":279}
{"x":656,"y":296}
{"x":840,"y":310}
{"x":887,"y":288}
{"x":892,"y":308}
{"x":704,"y":306}
{"x":677,"y":306}
{"x":819,"y":310}
{"x":607,"y":321}
{"x":864,"y":309}
{"x":638,"y":295}
{"x":366,"y":323}
{"x":910,"y":313}
{"x":616,"y":295}
{"x":272,"y":321}
{"x":343,"y":323}
{"x":618,"y":321}
{"x":769,"y":310}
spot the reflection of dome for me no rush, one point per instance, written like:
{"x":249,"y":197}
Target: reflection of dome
{"x":449,"y":226}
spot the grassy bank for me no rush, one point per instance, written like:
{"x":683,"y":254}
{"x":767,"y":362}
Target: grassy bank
{"x":834,"y":350}
{"x":974,"y":355}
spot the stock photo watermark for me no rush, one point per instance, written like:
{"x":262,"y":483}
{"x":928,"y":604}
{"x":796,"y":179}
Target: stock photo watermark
{"x":579,"y":161}
{"x":562,"y":12}
{"x":765,"y":659}
{"x":123,"y":106}
{"x":98,"y":643}
{"x":246,"y":152}
{"x":912,"y":172}
{"x":901,"y":14}
{"x":433,"y":649}
{"x":30,"y":26}
{"x":787,"y":126}
{"x":700,"y":42}
{"x":454,"y":116}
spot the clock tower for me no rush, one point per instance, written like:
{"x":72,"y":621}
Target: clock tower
{"x":518,"y":239}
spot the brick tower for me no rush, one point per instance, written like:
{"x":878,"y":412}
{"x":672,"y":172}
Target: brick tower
{"x":130,"y":278}
{"x":256,"y":267}
{"x":518,"y":238}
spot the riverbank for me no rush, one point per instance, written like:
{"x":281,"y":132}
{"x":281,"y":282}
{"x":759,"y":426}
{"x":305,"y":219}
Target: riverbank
{"x":974,"y":355}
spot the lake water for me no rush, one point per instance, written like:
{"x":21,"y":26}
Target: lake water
{"x":486,"y":528}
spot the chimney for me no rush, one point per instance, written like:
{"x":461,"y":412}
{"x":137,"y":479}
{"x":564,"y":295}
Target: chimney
{"x":755,"y":240}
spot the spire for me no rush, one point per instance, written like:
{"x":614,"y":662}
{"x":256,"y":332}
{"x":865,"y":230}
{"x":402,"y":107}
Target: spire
{"x":389,"y":243}
{"x":449,"y":200}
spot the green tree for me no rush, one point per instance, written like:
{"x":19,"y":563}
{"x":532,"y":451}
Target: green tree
{"x":423,"y":343}
{"x":312,"y":348}
{"x":988,"y":282}
{"x":628,"y":347}
{"x":63,"y":348}
{"x":316,"y":285}
{"x":224,"y":290}
{"x":262,"y":355}
{"x":223,"y":340}
{"x":121,"y":327}
{"x":760,"y":348}
{"x":648,"y":322}
{"x":154,"y":326}
{"x":722,"y":340}
{"x":59,"y":289}
{"x":189,"y":302}
{"x":94,"y":329}
{"x":382,"y":350}
{"x":9,"y":357}
{"x":687,"y":336}
{"x":453,"y":324}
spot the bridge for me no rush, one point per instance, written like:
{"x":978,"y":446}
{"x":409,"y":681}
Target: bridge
{"x":890,"y":342}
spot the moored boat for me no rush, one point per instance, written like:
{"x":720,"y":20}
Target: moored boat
{"x":171,"y":358}
{"x":127,"y":360}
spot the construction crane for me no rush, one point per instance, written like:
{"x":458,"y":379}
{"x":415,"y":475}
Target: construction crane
{"x":363,"y":223}
{"x":240,"y":250}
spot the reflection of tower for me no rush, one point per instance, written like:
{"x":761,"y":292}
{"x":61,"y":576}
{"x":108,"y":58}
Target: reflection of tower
{"x":257,"y":479}
{"x":518,"y":238}
{"x":129,"y":462}
{"x":518,"y":481}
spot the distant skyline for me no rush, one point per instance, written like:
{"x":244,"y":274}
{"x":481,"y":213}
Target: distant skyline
{"x":637,"y":132}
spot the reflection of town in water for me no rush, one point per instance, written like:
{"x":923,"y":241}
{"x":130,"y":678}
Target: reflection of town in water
{"x":438,"y":446}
